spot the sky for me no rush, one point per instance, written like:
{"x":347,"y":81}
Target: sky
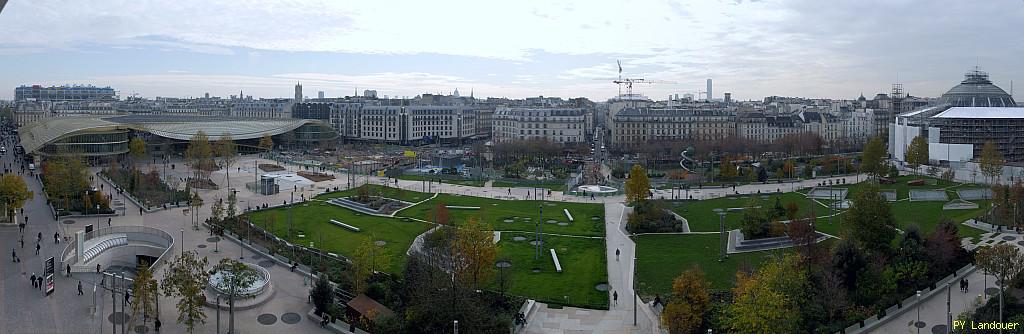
{"x":521,"y":48}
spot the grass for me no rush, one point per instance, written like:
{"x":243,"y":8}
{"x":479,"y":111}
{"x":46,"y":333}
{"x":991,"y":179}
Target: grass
{"x":701,"y":218}
{"x":553,"y":186}
{"x":495,"y":212}
{"x":314,"y":221}
{"x":583,"y":268}
{"x":660,"y":258}
{"x":444,"y":179}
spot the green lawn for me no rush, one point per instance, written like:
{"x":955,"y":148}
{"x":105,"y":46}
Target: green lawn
{"x":583,"y":268}
{"x":901,"y":187}
{"x":554,"y":186}
{"x":701,"y":218}
{"x":444,"y":179}
{"x":377,"y":190}
{"x":495,"y":212}
{"x":925,"y":215}
{"x":660,"y":258}
{"x":314,"y":221}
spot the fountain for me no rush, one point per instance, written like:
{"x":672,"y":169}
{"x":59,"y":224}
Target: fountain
{"x":596,"y":190}
{"x":254,"y":294}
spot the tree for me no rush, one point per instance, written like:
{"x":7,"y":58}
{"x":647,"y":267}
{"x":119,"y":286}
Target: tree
{"x":13,"y":194}
{"x":917,"y":153}
{"x":475,"y":249}
{"x":137,"y":150}
{"x":217,"y":211}
{"x":200,"y":155}
{"x":439,"y":214}
{"x":768,"y":301}
{"x":638,"y":186}
{"x":791,"y":210}
{"x":870,"y":221}
{"x":227,"y":151}
{"x":185,"y":278}
{"x":266,"y":143}
{"x":195,"y":202}
{"x":991,"y":161}
{"x":1003,"y":261}
{"x":789,"y":168}
{"x":232,"y":204}
{"x":367,"y":258}
{"x":322,"y":294}
{"x":727,"y":169}
{"x":684,"y":313}
{"x":235,"y":277}
{"x":871,"y":160}
{"x":145,"y":292}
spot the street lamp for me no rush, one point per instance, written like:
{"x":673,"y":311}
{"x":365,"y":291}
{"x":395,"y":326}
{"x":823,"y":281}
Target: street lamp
{"x":918,"y":324}
{"x":537,"y":238}
{"x":182,"y":242}
{"x":721,"y":233}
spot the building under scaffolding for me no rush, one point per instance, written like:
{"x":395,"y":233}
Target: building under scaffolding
{"x":970,"y":114}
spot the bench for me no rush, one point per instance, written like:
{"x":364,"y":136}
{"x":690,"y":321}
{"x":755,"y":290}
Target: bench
{"x":346,"y":226}
{"x":558,"y":266}
{"x":102,"y":244}
{"x":463,"y":207}
{"x":567,"y":214}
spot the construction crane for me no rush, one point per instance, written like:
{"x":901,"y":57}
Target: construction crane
{"x":628,"y":82}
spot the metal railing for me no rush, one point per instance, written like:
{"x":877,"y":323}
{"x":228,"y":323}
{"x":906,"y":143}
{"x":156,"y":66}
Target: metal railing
{"x":154,"y":236}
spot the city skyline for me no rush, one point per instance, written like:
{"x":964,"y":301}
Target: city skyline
{"x":751,"y":49}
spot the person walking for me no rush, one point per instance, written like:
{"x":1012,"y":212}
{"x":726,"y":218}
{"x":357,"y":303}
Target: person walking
{"x":40,"y":286}
{"x":56,"y":237}
{"x":80,"y":288}
{"x":967,"y":285}
{"x":39,"y":237}
{"x":14,"y":255}
{"x":108,"y":221}
{"x":68,"y":270}
{"x":616,"y":254}
{"x":615,"y":298}
{"x":33,"y":279}
{"x":127,"y":297}
{"x":37,"y":248}
{"x":22,"y":242}
{"x":156,"y":325}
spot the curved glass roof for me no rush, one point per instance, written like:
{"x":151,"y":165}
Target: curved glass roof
{"x":37,"y":134}
{"x":977,"y":91}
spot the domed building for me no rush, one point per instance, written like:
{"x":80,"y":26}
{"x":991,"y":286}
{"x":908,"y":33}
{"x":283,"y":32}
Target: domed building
{"x":962,"y":121}
{"x":977,"y":91}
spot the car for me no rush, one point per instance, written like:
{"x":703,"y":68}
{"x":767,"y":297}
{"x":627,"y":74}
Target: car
{"x":3,"y":149}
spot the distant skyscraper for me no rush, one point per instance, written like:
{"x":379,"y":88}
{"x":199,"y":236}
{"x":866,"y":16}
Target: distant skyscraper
{"x":728,"y":98}
{"x":710,"y":94}
{"x":298,"y":92}
{"x":320,"y":94}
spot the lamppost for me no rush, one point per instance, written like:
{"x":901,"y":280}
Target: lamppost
{"x":721,"y":233}
{"x":949,"y":312}
{"x":918,"y":323}
{"x":537,"y":237}
{"x":633,"y":280}
{"x":182,"y":242}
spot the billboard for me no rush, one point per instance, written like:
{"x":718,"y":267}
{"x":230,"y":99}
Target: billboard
{"x":48,"y":275}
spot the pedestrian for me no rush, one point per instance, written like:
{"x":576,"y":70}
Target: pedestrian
{"x":127,"y":297}
{"x":616,"y":254}
{"x":97,"y":268}
{"x":615,"y":298}
{"x":33,"y":279}
{"x":40,"y":285}
{"x":37,"y":248}
{"x":22,"y":242}
{"x":56,"y":237}
{"x":156,"y":325}
{"x":39,"y":237}
{"x":967,"y":285}
{"x":108,"y":221}
{"x":80,"y":288}
{"x":14,"y":255}
{"x":68,"y":270}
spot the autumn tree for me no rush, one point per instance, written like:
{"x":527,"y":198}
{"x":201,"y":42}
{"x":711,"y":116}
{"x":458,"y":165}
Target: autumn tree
{"x":266,"y":143}
{"x":872,"y":159}
{"x":144,"y":290}
{"x":1003,"y":261}
{"x":917,"y":153}
{"x":789,"y":168}
{"x":200,"y":155}
{"x":227,"y":151}
{"x":684,"y":313}
{"x":13,"y":194}
{"x":638,"y":186}
{"x":991,"y":161}
{"x":727,"y":169}
{"x":870,"y":220}
{"x":185,"y":278}
{"x":475,"y":248}
{"x":217,"y":211}
{"x":235,"y":278}
{"x":365,"y":261}
{"x":769,"y":300}
{"x":439,"y":214}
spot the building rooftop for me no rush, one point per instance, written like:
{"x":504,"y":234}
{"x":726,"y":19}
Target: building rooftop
{"x":981,"y":112}
{"x":976,"y":90}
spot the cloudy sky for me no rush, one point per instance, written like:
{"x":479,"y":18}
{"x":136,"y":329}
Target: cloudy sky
{"x":809,"y":48}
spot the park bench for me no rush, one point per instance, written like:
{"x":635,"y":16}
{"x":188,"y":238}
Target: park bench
{"x":567,"y":214}
{"x":558,"y":266}
{"x":346,"y":226}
